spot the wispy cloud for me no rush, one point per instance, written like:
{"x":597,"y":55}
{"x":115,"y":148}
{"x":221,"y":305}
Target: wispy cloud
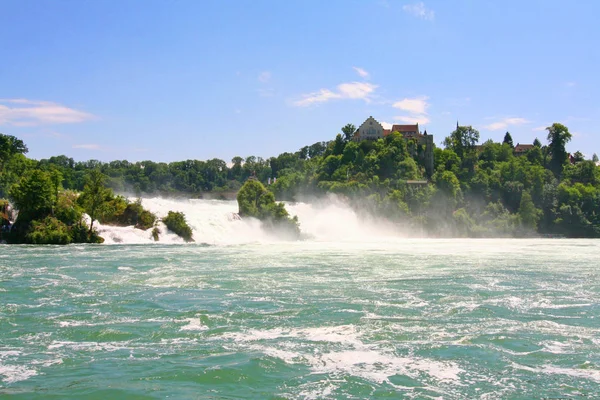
{"x":361,"y":72}
{"x":415,"y":119}
{"x":570,"y":84}
{"x":505,"y":123}
{"x":264,"y":76}
{"x":419,"y":10}
{"x":23,"y":112}
{"x":416,"y":107}
{"x":89,"y":146}
{"x":539,"y":128}
{"x":351,"y":90}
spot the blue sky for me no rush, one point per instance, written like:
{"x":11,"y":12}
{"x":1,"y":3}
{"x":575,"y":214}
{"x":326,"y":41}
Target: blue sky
{"x":183,"y":79}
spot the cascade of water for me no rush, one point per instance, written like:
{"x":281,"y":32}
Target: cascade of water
{"x":214,"y":222}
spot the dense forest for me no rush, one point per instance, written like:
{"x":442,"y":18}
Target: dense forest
{"x":476,"y":190}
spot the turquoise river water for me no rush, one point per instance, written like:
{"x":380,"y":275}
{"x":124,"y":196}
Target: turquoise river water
{"x":398,"y":318}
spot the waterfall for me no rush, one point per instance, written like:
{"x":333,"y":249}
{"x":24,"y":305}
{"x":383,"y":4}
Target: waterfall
{"x":213,"y":222}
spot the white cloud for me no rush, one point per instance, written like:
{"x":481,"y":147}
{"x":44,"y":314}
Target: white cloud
{"x":570,"y":84}
{"x":414,"y":119}
{"x":264,"y":76}
{"x":23,"y":112}
{"x":505,"y":123}
{"x":351,"y":90}
{"x":361,"y":72}
{"x":356,"y":90}
{"x":321,"y":96}
{"x":419,"y":10}
{"x":90,"y":146}
{"x":539,"y":128}
{"x":417,"y":105}
{"x":386,"y":125}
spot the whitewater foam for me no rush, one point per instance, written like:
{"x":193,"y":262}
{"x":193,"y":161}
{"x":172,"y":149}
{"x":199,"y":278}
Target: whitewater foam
{"x":213,"y":222}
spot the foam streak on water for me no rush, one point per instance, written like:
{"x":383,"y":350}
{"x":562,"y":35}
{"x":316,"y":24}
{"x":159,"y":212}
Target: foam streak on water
{"x":380,"y":316}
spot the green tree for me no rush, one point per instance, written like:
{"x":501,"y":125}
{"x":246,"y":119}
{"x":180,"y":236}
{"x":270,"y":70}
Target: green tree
{"x":175,"y":222}
{"x":254,"y":200}
{"x":508,"y":140}
{"x":95,"y":195}
{"x":595,"y":158}
{"x":558,"y":137}
{"x":463,"y":140}
{"x":338,"y":145}
{"x":537,"y":143}
{"x":33,"y":196}
{"x":528,"y":213}
{"x":449,"y":184}
{"x":10,"y":145}
{"x":348,"y":131}
{"x":578,"y":157}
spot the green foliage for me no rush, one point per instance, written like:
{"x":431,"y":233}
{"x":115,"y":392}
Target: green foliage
{"x":95,"y":195}
{"x":255,"y":201}
{"x":48,"y":231}
{"x":156,"y":234}
{"x":348,"y":131}
{"x":474,"y":190}
{"x":462,"y":141}
{"x":528,"y":213}
{"x":4,"y":213}
{"x":558,"y":137}
{"x":120,"y":211}
{"x":34,"y":195}
{"x":508,"y":140}
{"x":176,"y":223}
{"x":67,"y":209}
{"x":9,"y":146}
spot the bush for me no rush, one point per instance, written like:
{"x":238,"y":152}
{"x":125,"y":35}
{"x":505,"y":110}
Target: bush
{"x":48,"y":231}
{"x":155,"y":234}
{"x":67,"y":210}
{"x":255,"y":201}
{"x":121,"y":212}
{"x":136,"y":215}
{"x":176,"y":223}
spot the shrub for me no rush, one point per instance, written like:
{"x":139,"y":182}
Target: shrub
{"x":255,"y":201}
{"x":176,"y":223}
{"x":121,"y":212}
{"x":67,"y":210}
{"x":48,"y":231}
{"x":155,"y":234}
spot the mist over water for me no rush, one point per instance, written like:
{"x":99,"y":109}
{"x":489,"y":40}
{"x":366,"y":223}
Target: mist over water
{"x":213,"y":222}
{"x":356,"y":311}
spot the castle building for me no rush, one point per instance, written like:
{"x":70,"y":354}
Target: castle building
{"x":371,"y":129}
{"x":521,"y":149}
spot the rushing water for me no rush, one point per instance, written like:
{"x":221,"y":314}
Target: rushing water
{"x":355,"y":312}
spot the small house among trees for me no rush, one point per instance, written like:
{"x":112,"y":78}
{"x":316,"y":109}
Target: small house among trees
{"x":371,"y":129}
{"x":521,"y":149}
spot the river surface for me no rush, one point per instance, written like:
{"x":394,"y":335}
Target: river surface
{"x":333,"y":319}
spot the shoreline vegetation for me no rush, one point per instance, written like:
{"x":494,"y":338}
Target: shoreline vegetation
{"x":474,"y":190}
